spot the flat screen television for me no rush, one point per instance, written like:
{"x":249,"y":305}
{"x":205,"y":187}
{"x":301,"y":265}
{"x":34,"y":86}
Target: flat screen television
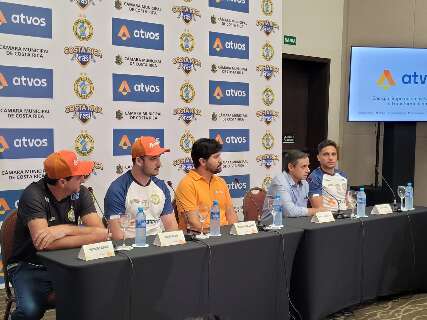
{"x":388,"y":84}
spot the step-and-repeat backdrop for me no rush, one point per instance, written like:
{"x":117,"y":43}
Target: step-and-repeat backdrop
{"x":92,"y":75}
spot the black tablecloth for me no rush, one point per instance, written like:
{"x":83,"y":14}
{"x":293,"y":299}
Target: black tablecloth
{"x":350,"y":261}
{"x":234,"y":277}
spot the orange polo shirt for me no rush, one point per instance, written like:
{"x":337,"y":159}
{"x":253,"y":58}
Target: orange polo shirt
{"x":194,"y":192}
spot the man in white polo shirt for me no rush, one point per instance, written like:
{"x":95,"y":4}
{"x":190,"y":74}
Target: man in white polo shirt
{"x":139,"y":187}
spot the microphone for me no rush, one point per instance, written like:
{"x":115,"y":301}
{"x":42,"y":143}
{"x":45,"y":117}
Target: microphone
{"x":188,"y":237}
{"x":390,"y":188}
{"x":104,"y":219}
{"x":338,"y":214}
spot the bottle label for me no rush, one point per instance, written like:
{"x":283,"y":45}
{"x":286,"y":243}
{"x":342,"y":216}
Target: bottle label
{"x":140,"y":224}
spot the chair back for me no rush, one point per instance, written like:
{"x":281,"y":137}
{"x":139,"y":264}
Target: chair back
{"x":7,"y":237}
{"x":253,"y":201}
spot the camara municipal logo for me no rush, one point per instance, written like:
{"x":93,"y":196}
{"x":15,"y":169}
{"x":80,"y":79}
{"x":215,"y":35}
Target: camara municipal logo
{"x":26,"y":82}
{"x":25,"y":20}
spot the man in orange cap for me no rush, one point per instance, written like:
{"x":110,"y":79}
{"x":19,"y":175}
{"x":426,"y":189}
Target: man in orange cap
{"x":47,"y":218}
{"x":139,"y":187}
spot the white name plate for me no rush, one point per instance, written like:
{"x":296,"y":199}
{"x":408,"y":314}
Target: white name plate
{"x":242,"y":228}
{"x":384,"y":208}
{"x":322,"y":217}
{"x":96,"y":251}
{"x":171,"y":238}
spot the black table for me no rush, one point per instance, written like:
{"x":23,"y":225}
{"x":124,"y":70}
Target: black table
{"x":350,"y":261}
{"x":234,"y":277}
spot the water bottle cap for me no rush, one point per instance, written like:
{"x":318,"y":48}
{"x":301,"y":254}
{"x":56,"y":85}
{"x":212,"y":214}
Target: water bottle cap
{"x":215,"y":202}
{"x":362,"y":189}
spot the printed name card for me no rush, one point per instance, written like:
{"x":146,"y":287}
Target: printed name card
{"x":384,"y":208}
{"x":171,"y":238}
{"x":322,"y":217}
{"x":96,"y":251}
{"x":242,"y":228}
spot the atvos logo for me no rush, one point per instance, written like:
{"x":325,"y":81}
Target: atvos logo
{"x":232,"y":140}
{"x":26,"y":82}
{"x":386,"y":80}
{"x":228,"y":45}
{"x":25,"y":20}
{"x":25,"y":143}
{"x":228,"y":93}
{"x":124,"y":138}
{"x":233,"y":5}
{"x":138,"y":88}
{"x":238,"y":185}
{"x":138,"y":34}
{"x":9,"y":200}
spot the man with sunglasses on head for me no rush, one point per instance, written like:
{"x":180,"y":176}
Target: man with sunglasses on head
{"x":139,"y":187}
{"x":47,"y":217}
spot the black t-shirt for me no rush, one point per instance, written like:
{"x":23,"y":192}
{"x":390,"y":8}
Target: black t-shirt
{"x":38,"y":202}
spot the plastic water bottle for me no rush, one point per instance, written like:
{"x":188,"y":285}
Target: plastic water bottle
{"x":214,"y":225}
{"x":140,"y":229}
{"x":361,"y":203}
{"x":277,"y":211}
{"x":409,"y":197}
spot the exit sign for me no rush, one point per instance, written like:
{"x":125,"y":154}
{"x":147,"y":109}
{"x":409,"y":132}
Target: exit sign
{"x":290,"y":40}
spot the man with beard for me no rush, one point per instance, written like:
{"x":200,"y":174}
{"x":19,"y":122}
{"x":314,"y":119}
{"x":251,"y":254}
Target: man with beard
{"x":139,"y":187}
{"x":328,"y":185}
{"x":201,"y":186}
{"x":47,"y":219}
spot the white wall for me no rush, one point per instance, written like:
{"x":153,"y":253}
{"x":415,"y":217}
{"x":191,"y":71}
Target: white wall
{"x":318,"y":26}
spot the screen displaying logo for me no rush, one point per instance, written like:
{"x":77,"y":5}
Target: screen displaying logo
{"x":232,"y":140}
{"x":26,"y":82}
{"x":123,"y":139}
{"x":25,"y":20}
{"x":138,"y":34}
{"x":228,"y":93}
{"x":228,"y":45}
{"x":127,"y":87}
{"x":9,"y":200}
{"x":238,"y":185}
{"x":25,"y":143}
{"x":233,"y":5}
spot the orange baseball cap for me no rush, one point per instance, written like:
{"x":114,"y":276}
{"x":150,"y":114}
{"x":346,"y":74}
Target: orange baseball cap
{"x":147,"y":146}
{"x":64,"y":164}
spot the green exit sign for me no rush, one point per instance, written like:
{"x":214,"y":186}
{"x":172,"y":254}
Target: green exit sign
{"x":290,"y":40}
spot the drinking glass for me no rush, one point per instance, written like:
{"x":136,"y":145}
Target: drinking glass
{"x":401,"y":190}
{"x":352,"y":200}
{"x":124,"y":220}
{"x":202,"y":213}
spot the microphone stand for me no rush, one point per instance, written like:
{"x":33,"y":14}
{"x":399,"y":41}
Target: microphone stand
{"x":104,"y":219}
{"x":395,"y":209}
